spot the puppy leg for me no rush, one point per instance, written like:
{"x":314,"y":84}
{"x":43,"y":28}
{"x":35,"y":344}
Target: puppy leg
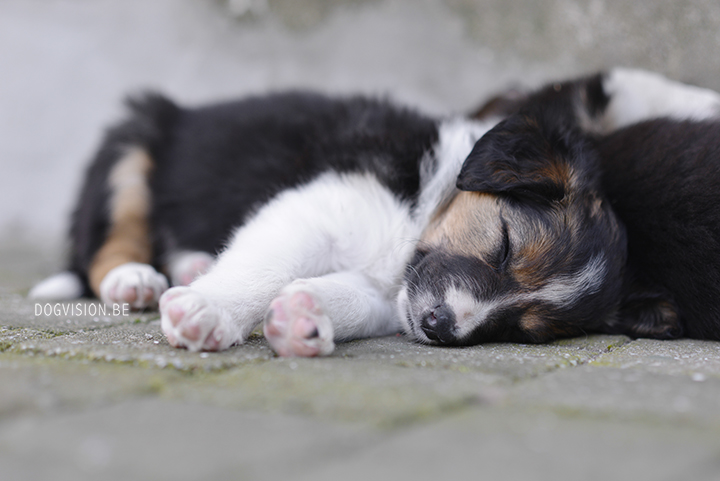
{"x":222,"y":307}
{"x":637,"y":95}
{"x":335,"y":224}
{"x":310,"y":314}
{"x":120,"y":270}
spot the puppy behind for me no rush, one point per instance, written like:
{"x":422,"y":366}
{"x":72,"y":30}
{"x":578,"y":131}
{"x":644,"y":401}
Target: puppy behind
{"x":663,"y":180}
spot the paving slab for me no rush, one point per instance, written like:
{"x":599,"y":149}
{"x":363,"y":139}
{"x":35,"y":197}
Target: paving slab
{"x":87,"y":397}
{"x":157,"y":439}
{"x":509,"y":362}
{"x":644,"y":379}
{"x":510,"y":444}
{"x":386,"y":381}
{"x":691,"y":357}
{"x":46,"y":386}
{"x":130,"y":341}
{"x":150,"y":439}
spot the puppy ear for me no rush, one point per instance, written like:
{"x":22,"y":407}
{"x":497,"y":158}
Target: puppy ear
{"x":518,"y":159}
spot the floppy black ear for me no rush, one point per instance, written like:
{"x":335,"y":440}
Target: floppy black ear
{"x":518,"y":159}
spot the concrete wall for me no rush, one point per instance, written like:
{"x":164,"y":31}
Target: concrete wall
{"x":65,"y":64}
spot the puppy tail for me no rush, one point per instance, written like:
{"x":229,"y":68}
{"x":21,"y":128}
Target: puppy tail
{"x":152,"y":115}
{"x":63,"y":286}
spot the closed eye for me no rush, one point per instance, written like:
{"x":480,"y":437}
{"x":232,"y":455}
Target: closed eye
{"x":505,"y":255}
{"x":500,"y":258}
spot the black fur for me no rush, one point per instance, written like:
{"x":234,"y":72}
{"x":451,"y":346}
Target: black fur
{"x":519,"y":156}
{"x":213,"y":165}
{"x":663,"y":179}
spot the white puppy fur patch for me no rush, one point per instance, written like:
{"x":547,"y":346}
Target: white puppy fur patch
{"x":439,"y":172}
{"x":637,"y":95}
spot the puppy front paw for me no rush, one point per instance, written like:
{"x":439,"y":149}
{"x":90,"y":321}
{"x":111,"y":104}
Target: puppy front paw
{"x":189,"y":320}
{"x":297,"y":326}
{"x":133,"y":283}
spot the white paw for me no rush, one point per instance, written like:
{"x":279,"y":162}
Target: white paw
{"x":189,"y":320}
{"x":297,"y":326}
{"x":133,"y":283}
{"x":185,"y":266}
{"x":61,"y":286}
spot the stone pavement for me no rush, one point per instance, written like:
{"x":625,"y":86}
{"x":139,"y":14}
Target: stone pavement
{"x":91,"y":396}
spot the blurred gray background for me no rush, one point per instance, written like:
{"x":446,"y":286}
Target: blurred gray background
{"x":66,"y":64}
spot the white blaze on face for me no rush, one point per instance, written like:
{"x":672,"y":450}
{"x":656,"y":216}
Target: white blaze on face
{"x":469,"y":312}
{"x":422,"y":302}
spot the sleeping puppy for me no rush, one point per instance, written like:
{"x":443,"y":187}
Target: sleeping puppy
{"x":544,"y":196}
{"x":317,"y":205}
{"x":169,"y":185}
{"x":528,"y":249}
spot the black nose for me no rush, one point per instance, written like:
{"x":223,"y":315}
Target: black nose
{"x":439,"y":324}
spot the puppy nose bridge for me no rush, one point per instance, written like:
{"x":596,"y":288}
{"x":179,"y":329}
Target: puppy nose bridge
{"x":438,"y":324}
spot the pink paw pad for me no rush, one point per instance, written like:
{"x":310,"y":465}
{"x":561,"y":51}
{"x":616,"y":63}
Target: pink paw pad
{"x":296,"y":326}
{"x":189,"y":321}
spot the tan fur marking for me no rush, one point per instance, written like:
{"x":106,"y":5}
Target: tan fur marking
{"x":468,"y":226}
{"x":129,"y":234}
{"x":532,"y":322}
{"x":559,"y":173}
{"x":530,"y":272}
{"x":542,"y":329}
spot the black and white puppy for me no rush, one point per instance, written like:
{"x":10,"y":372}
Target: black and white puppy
{"x":317,"y":206}
{"x":330,"y":196}
{"x":549,"y":195}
